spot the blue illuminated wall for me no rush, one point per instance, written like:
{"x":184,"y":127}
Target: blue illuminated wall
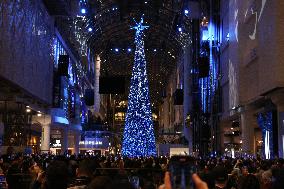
{"x":58,"y":49}
{"x":70,"y":94}
{"x":26,"y":37}
{"x":265,"y":122}
{"x":209,"y":84}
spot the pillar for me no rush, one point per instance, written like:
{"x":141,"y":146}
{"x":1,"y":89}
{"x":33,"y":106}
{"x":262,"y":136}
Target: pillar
{"x":64,"y":143}
{"x":248,"y":121}
{"x":278,"y":100}
{"x":1,"y":134}
{"x":45,"y":138}
{"x":77,"y":138}
{"x":220,"y":135}
{"x":187,"y":98}
{"x":97,"y":84}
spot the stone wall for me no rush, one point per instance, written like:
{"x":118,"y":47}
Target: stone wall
{"x":252,"y":61}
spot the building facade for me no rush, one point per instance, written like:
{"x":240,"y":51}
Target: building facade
{"x":43,"y":81}
{"x":252,"y":82}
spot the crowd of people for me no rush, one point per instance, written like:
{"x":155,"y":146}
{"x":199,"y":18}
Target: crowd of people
{"x":113,"y":172}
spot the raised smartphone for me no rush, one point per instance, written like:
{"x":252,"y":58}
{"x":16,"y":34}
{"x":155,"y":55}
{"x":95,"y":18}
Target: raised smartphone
{"x":181,"y":169}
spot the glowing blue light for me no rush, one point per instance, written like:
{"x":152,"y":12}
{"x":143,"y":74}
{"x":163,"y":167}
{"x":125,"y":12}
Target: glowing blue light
{"x":116,"y":50}
{"x":129,"y":50}
{"x":180,"y":29}
{"x":138,"y":136}
{"x":62,"y":120}
{"x":209,"y":84}
{"x":90,"y":29}
{"x":205,"y":35}
{"x":186,"y":11}
{"x":83,"y":11}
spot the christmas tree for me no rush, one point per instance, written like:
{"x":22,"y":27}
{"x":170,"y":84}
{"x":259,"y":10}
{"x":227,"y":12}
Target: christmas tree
{"x":138,"y":138}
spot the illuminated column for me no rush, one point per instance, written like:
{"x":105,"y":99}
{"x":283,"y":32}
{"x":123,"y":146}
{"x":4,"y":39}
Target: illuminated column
{"x":76,"y":143}
{"x":248,"y":121}
{"x":45,"y":138}
{"x":97,"y":84}
{"x":64,"y":143}
{"x":187,"y":98}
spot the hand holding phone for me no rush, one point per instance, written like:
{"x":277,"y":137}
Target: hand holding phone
{"x":181,"y":170}
{"x":199,"y":184}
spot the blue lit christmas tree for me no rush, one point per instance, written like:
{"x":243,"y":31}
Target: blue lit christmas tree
{"x":138,"y":138}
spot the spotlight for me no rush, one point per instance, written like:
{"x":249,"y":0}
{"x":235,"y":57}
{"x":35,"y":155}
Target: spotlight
{"x":180,"y":29}
{"x":186,"y":11}
{"x":146,"y":2}
{"x":155,"y":50}
{"x":116,"y":50}
{"x":129,"y":49}
{"x":39,"y":114}
{"x":90,"y":29}
{"x":83,"y":11}
{"x":28,"y":110}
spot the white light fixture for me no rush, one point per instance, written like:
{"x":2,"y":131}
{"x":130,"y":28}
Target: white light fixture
{"x":39,"y":114}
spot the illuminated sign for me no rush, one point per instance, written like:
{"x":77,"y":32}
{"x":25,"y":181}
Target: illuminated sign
{"x":57,"y":143}
{"x":86,"y":142}
{"x":95,"y":142}
{"x":62,"y":120}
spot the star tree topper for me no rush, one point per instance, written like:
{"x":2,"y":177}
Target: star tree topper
{"x":139,"y":26}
